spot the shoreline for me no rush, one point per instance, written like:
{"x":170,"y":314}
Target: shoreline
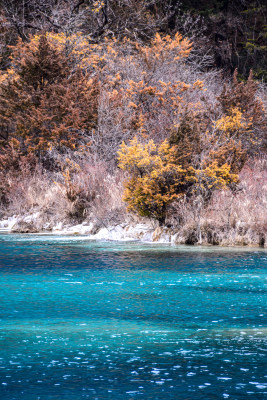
{"x":141,"y":231}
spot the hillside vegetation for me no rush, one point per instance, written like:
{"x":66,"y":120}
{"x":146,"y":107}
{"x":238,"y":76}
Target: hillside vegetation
{"x":118,"y":111}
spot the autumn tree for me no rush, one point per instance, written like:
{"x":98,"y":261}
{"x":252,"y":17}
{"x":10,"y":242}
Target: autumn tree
{"x":142,"y":91}
{"x":156,"y":180}
{"x":158,"y":177}
{"x":44,"y":100}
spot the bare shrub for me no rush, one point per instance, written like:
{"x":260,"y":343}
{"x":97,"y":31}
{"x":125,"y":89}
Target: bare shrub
{"x":33,"y":191}
{"x":88,"y":193}
{"x":230,"y":218}
{"x":90,"y":187}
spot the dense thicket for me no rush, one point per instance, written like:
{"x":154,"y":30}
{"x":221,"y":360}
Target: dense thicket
{"x":233,"y":31}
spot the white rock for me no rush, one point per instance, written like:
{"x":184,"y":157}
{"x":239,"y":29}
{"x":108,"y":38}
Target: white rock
{"x":7,"y":224}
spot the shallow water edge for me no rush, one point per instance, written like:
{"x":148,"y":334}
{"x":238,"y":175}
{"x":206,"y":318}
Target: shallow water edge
{"x":146,"y":231}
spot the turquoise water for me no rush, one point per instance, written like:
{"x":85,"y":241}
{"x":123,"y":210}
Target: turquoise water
{"x":92,"y":320}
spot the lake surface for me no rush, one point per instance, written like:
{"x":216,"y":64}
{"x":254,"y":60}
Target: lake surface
{"x":126,"y":321}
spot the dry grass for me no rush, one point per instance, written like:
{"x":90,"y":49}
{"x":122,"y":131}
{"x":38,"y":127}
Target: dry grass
{"x":35,"y":192}
{"x":231,"y":218}
{"x":89,"y":192}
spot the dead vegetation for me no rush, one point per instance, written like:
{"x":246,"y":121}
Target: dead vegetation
{"x":231,"y":218}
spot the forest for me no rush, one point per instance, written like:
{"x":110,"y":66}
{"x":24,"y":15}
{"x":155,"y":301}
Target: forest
{"x":126,"y":112}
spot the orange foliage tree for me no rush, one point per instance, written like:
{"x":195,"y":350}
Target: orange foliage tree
{"x":45,"y":100}
{"x":158,"y":177}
